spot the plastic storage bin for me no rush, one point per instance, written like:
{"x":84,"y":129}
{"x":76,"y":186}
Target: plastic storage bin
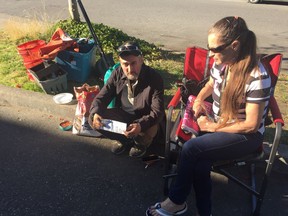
{"x":30,"y":54}
{"x":51,"y":78}
{"x":30,"y":50}
{"x":78,"y":64}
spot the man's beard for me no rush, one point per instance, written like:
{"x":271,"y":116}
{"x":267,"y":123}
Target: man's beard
{"x":132,"y":77}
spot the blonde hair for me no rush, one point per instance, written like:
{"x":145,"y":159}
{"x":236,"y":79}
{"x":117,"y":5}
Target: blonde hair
{"x":230,"y":29}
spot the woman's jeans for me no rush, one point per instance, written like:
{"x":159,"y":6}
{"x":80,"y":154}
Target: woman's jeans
{"x":196,"y":159}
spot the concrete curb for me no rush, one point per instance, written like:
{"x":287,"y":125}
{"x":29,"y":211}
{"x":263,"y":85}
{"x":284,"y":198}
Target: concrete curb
{"x":10,"y":96}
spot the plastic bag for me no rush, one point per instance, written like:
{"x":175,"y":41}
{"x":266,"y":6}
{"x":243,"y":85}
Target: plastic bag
{"x":60,"y":40}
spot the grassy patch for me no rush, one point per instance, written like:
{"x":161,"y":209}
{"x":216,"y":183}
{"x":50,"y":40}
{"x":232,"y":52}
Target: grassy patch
{"x":24,"y":29}
{"x":12,"y":71}
{"x":170,"y":65}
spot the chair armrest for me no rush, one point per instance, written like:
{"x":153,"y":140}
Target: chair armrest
{"x":171,"y":106}
{"x":275,"y":111}
{"x":176,"y":99}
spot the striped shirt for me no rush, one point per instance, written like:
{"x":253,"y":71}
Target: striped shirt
{"x":257,"y":90}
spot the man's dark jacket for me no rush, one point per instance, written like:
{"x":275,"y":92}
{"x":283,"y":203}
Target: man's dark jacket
{"x":148,"y":96}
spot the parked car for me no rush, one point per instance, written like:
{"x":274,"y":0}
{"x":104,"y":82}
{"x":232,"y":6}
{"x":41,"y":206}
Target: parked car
{"x":259,"y":1}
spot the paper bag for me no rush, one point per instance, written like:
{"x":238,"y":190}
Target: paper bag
{"x":84,"y":95}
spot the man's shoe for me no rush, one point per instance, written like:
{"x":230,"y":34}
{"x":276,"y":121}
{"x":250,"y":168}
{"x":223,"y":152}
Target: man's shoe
{"x":137,"y":151}
{"x":117,"y":147}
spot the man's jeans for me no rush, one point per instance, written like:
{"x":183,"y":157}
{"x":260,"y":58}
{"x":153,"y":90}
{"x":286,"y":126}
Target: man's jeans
{"x":196,"y":159}
{"x":144,"y":138}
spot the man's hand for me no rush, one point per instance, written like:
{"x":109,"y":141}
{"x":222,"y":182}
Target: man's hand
{"x":97,"y":121}
{"x":133,"y":130}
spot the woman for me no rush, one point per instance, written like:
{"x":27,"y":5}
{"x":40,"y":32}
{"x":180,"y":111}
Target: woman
{"x":240,"y":87}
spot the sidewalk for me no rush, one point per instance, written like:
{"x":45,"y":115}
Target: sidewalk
{"x":34,"y":100}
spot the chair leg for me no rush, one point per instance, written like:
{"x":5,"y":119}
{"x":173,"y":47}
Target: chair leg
{"x":166,"y":187}
{"x":253,"y":185}
{"x":256,"y":211}
{"x":268,"y":170}
{"x":257,"y":199}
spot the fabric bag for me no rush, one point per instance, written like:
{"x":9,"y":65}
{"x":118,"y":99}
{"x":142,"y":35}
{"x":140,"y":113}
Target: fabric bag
{"x":189,"y":123}
{"x":84,"y":95}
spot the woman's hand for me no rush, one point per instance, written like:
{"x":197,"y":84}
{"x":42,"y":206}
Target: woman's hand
{"x":205,"y":124}
{"x":197,"y":107}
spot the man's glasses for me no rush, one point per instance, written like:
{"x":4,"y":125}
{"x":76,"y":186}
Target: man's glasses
{"x":128,"y":48}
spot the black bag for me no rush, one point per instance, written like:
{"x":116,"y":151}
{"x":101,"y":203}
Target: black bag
{"x":193,"y":87}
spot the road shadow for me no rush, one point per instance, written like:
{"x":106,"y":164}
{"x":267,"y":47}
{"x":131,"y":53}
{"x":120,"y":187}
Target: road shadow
{"x":45,"y":171}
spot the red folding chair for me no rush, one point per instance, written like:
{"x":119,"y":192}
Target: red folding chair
{"x":195,"y":66}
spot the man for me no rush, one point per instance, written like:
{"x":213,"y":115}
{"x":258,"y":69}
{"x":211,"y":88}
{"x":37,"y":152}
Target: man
{"x":139,"y":101}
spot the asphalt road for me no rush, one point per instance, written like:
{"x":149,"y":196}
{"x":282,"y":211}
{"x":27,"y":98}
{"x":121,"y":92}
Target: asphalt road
{"x":46,"y":171}
{"x":172,"y":24}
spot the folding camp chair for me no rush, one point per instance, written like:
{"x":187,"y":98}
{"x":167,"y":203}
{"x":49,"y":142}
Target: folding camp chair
{"x":196,"y":58}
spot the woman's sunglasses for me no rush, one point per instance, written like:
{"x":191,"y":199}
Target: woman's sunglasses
{"x":221,"y":47}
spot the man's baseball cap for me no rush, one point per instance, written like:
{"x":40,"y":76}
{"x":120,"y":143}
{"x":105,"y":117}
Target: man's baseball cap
{"x":129,"y":48}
